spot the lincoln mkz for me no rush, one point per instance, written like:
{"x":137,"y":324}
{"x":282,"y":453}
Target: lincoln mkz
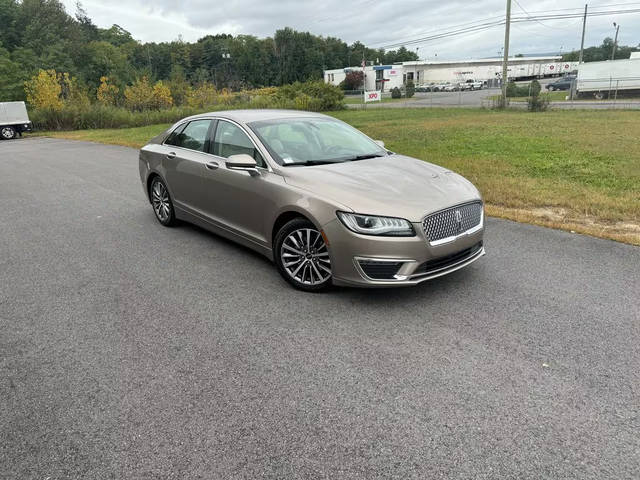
{"x":322,"y":200}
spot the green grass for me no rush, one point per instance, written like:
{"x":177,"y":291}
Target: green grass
{"x":578,"y":170}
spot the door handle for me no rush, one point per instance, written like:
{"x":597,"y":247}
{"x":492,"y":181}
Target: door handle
{"x":212,"y":165}
{"x":171,"y":155}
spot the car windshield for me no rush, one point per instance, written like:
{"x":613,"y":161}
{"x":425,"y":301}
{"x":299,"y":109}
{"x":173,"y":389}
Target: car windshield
{"x":314,"y":141}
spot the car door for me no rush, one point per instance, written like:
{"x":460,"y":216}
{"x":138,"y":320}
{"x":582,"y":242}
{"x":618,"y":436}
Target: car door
{"x":241,"y":202}
{"x":186,"y":162}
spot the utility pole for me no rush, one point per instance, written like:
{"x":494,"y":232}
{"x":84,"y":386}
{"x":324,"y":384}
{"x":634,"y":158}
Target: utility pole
{"x":584,"y":29}
{"x":505,"y":60}
{"x":615,"y":42}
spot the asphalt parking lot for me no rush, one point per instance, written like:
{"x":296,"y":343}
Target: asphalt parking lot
{"x":133,"y":351}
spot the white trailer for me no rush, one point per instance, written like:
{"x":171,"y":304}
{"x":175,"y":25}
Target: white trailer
{"x":14,"y":120}
{"x":609,"y":78}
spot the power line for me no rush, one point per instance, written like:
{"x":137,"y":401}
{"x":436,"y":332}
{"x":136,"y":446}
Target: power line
{"x":516,"y":19}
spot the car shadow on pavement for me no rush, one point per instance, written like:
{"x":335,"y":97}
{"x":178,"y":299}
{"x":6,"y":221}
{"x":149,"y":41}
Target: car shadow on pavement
{"x":462,"y":279}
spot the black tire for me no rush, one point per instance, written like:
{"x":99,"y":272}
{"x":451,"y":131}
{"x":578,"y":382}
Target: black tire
{"x":300,"y":224}
{"x":550,"y":88}
{"x":598,"y":96}
{"x":7,"y":133}
{"x":161,"y":202}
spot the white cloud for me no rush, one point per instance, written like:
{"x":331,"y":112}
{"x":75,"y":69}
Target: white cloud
{"x":374,"y":22}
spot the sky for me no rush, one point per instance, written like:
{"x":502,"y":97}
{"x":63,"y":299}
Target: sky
{"x":376,"y":23}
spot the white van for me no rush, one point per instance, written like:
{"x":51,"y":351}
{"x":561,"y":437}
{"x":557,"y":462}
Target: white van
{"x":14,"y":120}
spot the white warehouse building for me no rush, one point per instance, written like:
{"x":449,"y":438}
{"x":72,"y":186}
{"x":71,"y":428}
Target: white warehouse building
{"x":386,"y":77}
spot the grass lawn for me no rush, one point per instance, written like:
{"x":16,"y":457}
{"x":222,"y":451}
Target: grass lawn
{"x":576,"y":170}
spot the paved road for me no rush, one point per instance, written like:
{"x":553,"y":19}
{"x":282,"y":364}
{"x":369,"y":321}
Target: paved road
{"x":129,"y":351}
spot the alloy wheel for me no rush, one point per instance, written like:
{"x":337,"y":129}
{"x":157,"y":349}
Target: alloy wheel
{"x":160,"y":201}
{"x":8,"y":133}
{"x":305,"y":257}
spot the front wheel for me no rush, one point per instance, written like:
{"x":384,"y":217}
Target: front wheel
{"x":599,"y":95}
{"x":8,"y":133}
{"x":302,"y":257}
{"x":551,"y":89}
{"x":161,"y":202}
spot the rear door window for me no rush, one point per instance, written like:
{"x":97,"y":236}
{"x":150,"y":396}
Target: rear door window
{"x":193,"y":136}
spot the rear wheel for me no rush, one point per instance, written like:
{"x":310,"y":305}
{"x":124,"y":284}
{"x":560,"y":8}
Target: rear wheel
{"x":8,"y":133}
{"x":551,"y":88}
{"x":599,"y":95}
{"x":302,"y":257}
{"x":161,"y":202}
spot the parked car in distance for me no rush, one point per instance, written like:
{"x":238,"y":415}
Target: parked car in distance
{"x":563,"y":83}
{"x":471,"y":84}
{"x":438,"y":87}
{"x":451,"y":87}
{"x":425,"y":87}
{"x":325,"y":202}
{"x":14,"y":120}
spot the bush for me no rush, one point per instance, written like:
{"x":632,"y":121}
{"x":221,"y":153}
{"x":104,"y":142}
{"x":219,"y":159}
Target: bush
{"x":410,"y":89}
{"x":535,"y":88}
{"x":146,"y":105}
{"x":396,"y":93}
{"x":514,"y":90}
{"x":538,"y":103}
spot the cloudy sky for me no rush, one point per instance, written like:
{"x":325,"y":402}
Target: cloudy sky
{"x":374,"y":22}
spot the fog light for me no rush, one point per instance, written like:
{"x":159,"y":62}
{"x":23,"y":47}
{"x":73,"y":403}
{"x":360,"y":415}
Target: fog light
{"x":380,"y":270}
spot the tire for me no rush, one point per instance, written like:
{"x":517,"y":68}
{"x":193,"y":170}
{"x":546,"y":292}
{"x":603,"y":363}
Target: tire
{"x":161,"y":202}
{"x":599,"y":96}
{"x":7,"y":133}
{"x":550,"y":88}
{"x":302,"y":257}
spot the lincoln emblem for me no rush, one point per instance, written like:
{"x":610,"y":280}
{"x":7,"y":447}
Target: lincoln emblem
{"x":458,"y":216}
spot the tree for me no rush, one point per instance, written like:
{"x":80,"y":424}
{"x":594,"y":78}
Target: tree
{"x":44,"y":91}
{"x":353,"y":80}
{"x":107,"y":94}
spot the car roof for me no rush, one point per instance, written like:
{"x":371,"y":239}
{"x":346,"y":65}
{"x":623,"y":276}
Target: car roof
{"x":248,"y":116}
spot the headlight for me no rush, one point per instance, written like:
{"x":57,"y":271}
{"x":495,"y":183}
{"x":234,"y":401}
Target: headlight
{"x":372,"y":225}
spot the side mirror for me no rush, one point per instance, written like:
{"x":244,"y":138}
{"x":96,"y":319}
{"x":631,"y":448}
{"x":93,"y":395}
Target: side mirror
{"x":242,"y":161}
{"x":380,"y":143}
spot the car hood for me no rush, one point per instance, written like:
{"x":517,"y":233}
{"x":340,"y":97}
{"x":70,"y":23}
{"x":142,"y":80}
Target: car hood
{"x":394,"y":186}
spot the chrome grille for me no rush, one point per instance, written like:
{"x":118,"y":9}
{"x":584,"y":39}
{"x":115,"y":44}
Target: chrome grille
{"x":452,"y":221}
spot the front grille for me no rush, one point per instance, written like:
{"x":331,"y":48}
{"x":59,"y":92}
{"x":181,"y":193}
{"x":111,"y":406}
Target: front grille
{"x":452,"y":221}
{"x":379,"y":270}
{"x":444,"y":262}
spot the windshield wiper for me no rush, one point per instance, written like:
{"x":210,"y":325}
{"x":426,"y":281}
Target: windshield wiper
{"x":365,"y":156}
{"x":308,"y":162}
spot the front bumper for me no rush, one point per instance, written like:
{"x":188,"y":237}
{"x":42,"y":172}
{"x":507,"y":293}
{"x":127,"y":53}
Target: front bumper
{"x":365,"y":260}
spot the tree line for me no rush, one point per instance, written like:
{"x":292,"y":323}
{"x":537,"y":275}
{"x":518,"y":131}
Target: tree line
{"x":40,"y":35}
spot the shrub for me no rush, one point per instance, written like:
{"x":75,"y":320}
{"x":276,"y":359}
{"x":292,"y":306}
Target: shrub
{"x":139,"y":96}
{"x":396,"y":93}
{"x":161,"y":96}
{"x":535,"y":88}
{"x":410,"y":89}
{"x":203,"y":96}
{"x":538,"y":103}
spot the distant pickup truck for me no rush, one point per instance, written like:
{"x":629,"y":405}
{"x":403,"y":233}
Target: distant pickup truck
{"x":14,"y":120}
